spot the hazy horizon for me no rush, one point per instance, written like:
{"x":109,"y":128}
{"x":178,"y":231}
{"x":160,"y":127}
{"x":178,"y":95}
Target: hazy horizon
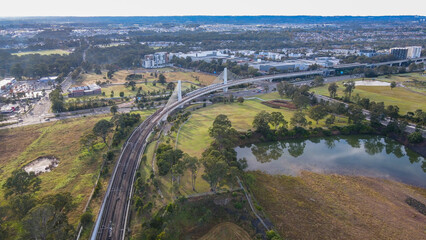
{"x":97,"y":8}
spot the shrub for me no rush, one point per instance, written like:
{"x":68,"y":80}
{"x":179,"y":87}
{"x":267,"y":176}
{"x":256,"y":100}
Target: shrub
{"x":238,"y":205}
{"x":272,"y":235}
{"x":415,"y":137}
{"x":86,"y":219}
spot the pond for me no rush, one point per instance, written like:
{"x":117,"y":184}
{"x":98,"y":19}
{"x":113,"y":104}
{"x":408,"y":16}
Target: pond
{"x":371,"y":156}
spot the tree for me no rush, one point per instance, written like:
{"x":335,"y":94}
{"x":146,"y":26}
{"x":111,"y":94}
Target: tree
{"x":112,"y":93}
{"x":88,"y":140}
{"x":277,"y":118}
{"x":349,"y":88}
{"x":222,"y":132}
{"x":317,"y":112}
{"x":280,"y":89}
{"x":17,"y":71}
{"x":261,"y":122}
{"x":192,"y":164}
{"x":355,"y":114}
{"x":167,"y":157}
{"x":393,"y":85}
{"x":332,"y":89}
{"x":240,"y":99}
{"x":415,"y":137}
{"x":318,"y":81}
{"x":392,"y":111}
{"x":45,"y":222}
{"x":299,"y":119}
{"x":162,"y":79}
{"x":21,"y":182}
{"x":102,"y":128}
{"x":171,"y":86}
{"x":300,"y":100}
{"x":86,"y":219}
{"x":330,"y":120}
{"x":114,"y":109}
{"x":110,"y":74}
{"x":57,"y":100}
{"x":121,"y":94}
{"x":377,"y":112}
{"x":215,"y":169}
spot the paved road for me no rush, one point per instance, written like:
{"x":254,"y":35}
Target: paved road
{"x":113,"y":215}
{"x":112,"y":219}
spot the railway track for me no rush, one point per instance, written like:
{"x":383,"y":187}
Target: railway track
{"x":113,"y":215}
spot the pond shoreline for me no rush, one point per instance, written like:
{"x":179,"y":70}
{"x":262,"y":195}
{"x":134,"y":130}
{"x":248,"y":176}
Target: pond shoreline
{"x":419,"y":148}
{"x":357,"y":155}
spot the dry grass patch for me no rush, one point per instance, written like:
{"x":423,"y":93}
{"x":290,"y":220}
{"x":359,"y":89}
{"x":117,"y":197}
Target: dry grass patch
{"x":226,"y":231}
{"x":319,"y":206}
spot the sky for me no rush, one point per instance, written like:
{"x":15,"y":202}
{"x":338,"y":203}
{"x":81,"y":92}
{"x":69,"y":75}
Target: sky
{"x":10,"y":8}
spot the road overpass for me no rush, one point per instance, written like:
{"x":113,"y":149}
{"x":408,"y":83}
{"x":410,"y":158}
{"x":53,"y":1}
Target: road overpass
{"x":114,"y":213}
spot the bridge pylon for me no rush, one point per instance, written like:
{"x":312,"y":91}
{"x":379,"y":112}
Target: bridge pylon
{"x":225,"y":79}
{"x":179,"y":90}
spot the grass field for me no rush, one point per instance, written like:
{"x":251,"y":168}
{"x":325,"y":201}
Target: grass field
{"x":44,"y":52}
{"x":317,"y":206}
{"x":169,"y":73}
{"x":194,"y":138}
{"x":59,"y":139}
{"x":226,"y":231}
{"x":405,"y":99}
{"x":75,"y":173}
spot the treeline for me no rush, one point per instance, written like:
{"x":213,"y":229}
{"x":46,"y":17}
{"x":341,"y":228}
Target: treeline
{"x":126,"y":56}
{"x":215,"y":66}
{"x":365,"y":59}
{"x":29,"y":216}
{"x":36,"y":65}
{"x":378,"y":110}
{"x":59,"y":104}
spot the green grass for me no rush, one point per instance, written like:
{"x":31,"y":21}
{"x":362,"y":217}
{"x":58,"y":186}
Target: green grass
{"x":406,"y":100}
{"x":44,"y":52}
{"x":194,"y":138}
{"x":75,"y":174}
{"x":62,"y":140}
{"x":128,"y":90}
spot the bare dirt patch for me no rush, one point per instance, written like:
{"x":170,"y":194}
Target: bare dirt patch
{"x":41,"y":165}
{"x":279,"y":104}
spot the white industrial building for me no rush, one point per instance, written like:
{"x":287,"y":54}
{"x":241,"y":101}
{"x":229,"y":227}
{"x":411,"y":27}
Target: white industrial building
{"x":156,"y":60}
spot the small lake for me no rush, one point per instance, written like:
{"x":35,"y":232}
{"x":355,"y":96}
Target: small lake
{"x":371,"y":156}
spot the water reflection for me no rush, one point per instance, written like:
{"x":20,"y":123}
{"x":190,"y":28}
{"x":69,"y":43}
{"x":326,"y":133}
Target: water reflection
{"x":373,"y":156}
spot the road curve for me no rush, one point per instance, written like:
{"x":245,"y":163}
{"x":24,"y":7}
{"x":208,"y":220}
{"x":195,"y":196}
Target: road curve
{"x":113,"y":215}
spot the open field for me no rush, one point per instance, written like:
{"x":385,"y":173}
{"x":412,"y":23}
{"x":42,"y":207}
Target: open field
{"x":319,"y":206}
{"x":194,"y":138}
{"x":226,"y":231}
{"x":149,"y":87}
{"x":170,"y":74}
{"x":76,"y":172}
{"x":405,"y":99}
{"x":44,"y":52}
{"x":61,"y":140}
